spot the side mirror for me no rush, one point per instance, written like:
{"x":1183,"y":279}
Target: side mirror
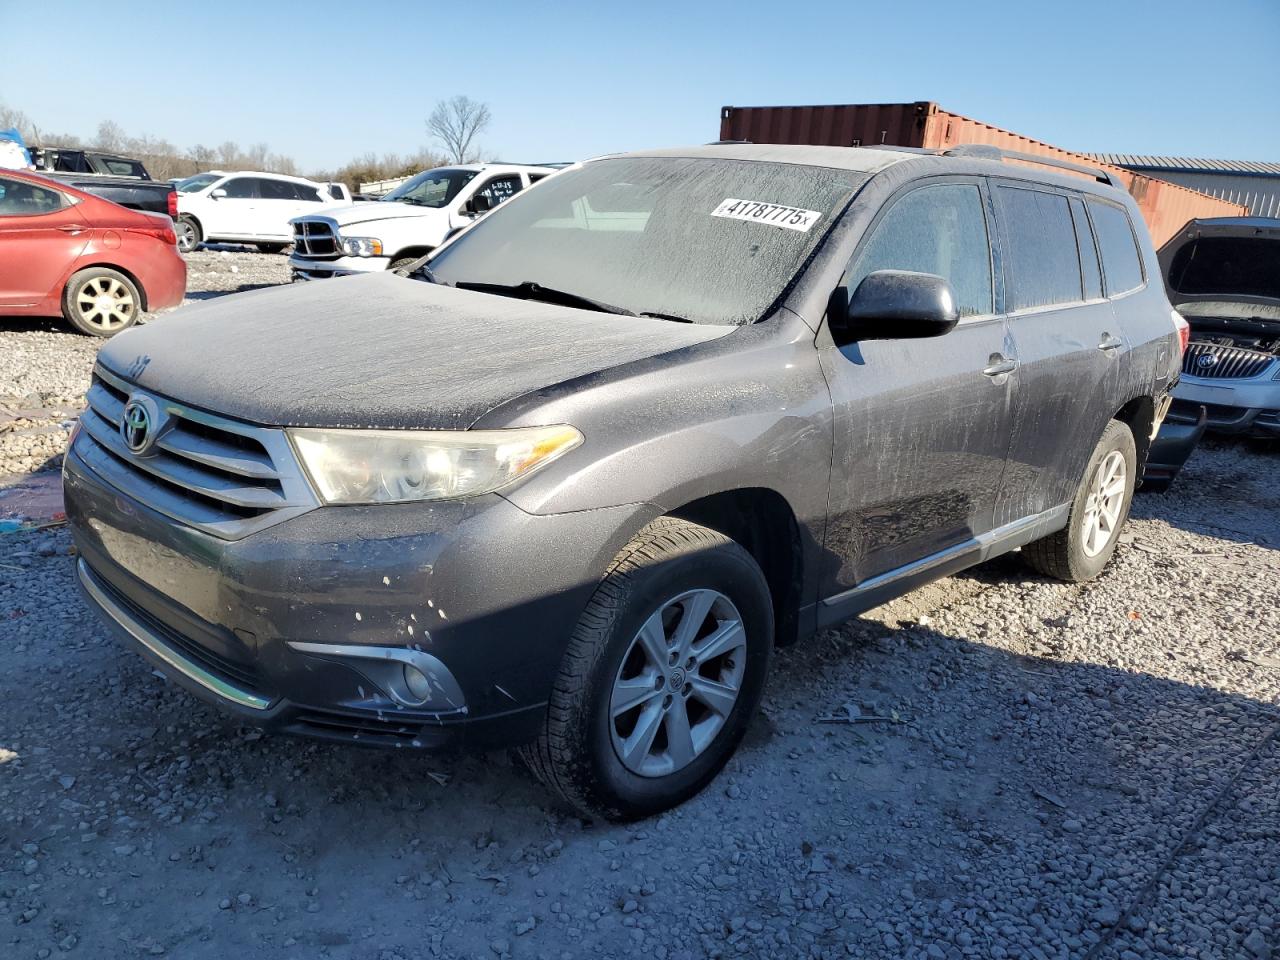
{"x":217,"y":194}
{"x":897,"y":305}
{"x":479,"y":204}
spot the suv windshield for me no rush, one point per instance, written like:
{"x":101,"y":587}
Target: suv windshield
{"x":708,"y":240}
{"x":434,"y":188}
{"x":198,"y":182}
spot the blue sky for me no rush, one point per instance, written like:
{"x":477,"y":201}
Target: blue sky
{"x":324,"y":82}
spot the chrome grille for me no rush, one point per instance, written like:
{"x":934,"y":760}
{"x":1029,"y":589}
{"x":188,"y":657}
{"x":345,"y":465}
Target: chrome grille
{"x":316,"y":239}
{"x":1215,"y":361}
{"x":218,"y":475}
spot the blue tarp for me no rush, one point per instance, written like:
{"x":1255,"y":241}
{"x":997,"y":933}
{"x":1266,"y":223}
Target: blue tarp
{"x":13,"y":135}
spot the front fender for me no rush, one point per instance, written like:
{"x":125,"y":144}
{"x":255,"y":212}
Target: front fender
{"x":750,"y":409}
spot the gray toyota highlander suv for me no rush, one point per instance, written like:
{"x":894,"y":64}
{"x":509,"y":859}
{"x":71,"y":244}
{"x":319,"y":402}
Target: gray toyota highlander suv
{"x":567,"y":485}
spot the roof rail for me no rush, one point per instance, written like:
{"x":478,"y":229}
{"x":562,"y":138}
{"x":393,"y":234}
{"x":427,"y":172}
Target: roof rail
{"x":983,"y":151}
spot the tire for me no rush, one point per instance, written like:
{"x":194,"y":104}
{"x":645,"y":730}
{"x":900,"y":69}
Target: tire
{"x":672,"y":567}
{"x":401,"y":262}
{"x":189,"y":234}
{"x":271,"y":247}
{"x":1067,"y":554}
{"x":101,"y":302}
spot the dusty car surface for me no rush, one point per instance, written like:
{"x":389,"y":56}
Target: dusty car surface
{"x":568,"y":484}
{"x":1223,"y":275}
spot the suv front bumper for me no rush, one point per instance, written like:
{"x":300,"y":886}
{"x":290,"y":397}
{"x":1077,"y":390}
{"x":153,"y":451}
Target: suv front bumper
{"x":305,"y":626}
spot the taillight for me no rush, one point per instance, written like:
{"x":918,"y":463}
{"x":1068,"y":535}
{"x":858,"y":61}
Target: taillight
{"x":173,"y":204}
{"x":161,"y":233}
{"x":1184,"y":330}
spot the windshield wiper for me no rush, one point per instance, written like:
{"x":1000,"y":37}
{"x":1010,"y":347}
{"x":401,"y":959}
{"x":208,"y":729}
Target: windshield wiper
{"x":532,"y":290}
{"x":663,"y":316}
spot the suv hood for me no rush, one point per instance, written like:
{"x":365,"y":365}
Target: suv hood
{"x":378,"y":350}
{"x":375,"y":210}
{"x":1225,"y":267}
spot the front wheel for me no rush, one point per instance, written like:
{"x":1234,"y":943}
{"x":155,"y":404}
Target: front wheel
{"x":1079,"y":551}
{"x":189,"y":234}
{"x":661,"y":677}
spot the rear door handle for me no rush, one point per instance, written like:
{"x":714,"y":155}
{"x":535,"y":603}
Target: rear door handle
{"x":1000,"y":365}
{"x":73,"y":228}
{"x":1110,"y":343}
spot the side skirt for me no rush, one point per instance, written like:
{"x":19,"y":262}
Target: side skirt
{"x":894,"y":583}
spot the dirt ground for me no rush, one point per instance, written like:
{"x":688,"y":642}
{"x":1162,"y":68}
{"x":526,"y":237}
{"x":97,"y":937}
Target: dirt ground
{"x":997,"y":765}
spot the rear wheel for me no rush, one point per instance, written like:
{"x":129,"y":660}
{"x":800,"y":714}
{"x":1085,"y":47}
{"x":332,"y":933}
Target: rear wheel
{"x":189,"y":234}
{"x":1079,"y":551}
{"x":662,"y":675}
{"x":101,"y":302}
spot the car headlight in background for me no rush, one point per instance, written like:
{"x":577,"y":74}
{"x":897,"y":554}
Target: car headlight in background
{"x":361,"y":247}
{"x":395,"y":466}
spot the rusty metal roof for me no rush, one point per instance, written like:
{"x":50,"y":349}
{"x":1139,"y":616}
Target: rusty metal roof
{"x":1254,"y":168}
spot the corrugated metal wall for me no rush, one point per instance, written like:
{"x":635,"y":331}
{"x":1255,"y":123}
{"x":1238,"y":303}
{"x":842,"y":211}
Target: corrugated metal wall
{"x":1166,"y":207}
{"x":1259,"y":195}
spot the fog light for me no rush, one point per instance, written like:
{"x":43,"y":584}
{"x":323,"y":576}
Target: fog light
{"x":416,"y":682}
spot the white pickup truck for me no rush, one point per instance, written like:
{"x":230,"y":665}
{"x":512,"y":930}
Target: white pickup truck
{"x":410,"y":221}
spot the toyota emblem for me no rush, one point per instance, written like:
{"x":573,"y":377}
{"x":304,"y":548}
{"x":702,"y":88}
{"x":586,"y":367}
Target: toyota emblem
{"x":136,"y":426}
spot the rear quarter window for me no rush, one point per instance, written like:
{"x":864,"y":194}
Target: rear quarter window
{"x":1121,"y":263}
{"x":1043,"y":258}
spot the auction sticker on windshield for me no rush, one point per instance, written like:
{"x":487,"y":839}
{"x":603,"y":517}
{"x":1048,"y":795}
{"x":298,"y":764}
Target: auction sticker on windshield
{"x":757,"y":211}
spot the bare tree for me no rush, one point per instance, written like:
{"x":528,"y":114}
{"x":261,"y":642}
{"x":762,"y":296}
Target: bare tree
{"x":13,"y":117}
{"x":455,"y":123}
{"x":109,"y":137}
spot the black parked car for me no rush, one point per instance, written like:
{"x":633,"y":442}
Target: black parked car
{"x":568,"y":484}
{"x":121,"y":180}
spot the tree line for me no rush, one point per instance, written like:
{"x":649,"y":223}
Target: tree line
{"x":454,"y":123}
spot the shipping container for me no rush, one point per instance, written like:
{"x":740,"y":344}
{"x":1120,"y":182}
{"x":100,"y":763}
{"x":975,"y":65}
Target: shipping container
{"x":1165,"y":206}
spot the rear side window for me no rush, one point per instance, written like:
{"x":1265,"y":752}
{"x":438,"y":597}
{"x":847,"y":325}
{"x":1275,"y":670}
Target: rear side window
{"x":122,"y":168}
{"x":938,"y":229}
{"x":21,"y":199}
{"x":276,"y":190}
{"x":1121,"y":265}
{"x":1044,"y":263}
{"x":1089,"y":268}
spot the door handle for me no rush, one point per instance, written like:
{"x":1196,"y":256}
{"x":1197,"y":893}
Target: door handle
{"x":1110,"y":343}
{"x":999,"y":365}
{"x":73,"y":228}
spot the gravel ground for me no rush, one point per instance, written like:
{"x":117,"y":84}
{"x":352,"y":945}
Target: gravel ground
{"x":995,"y":766}
{"x":44,"y":364}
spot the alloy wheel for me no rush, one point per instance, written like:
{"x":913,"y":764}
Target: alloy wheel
{"x":105,"y":304}
{"x":1104,"y":504}
{"x":678,"y":682}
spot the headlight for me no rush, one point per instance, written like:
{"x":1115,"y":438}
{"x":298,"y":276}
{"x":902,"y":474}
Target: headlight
{"x":394,"y":466}
{"x":361,"y":247}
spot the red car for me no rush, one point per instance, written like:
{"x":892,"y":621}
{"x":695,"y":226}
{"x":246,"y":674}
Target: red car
{"x":63,"y":251}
